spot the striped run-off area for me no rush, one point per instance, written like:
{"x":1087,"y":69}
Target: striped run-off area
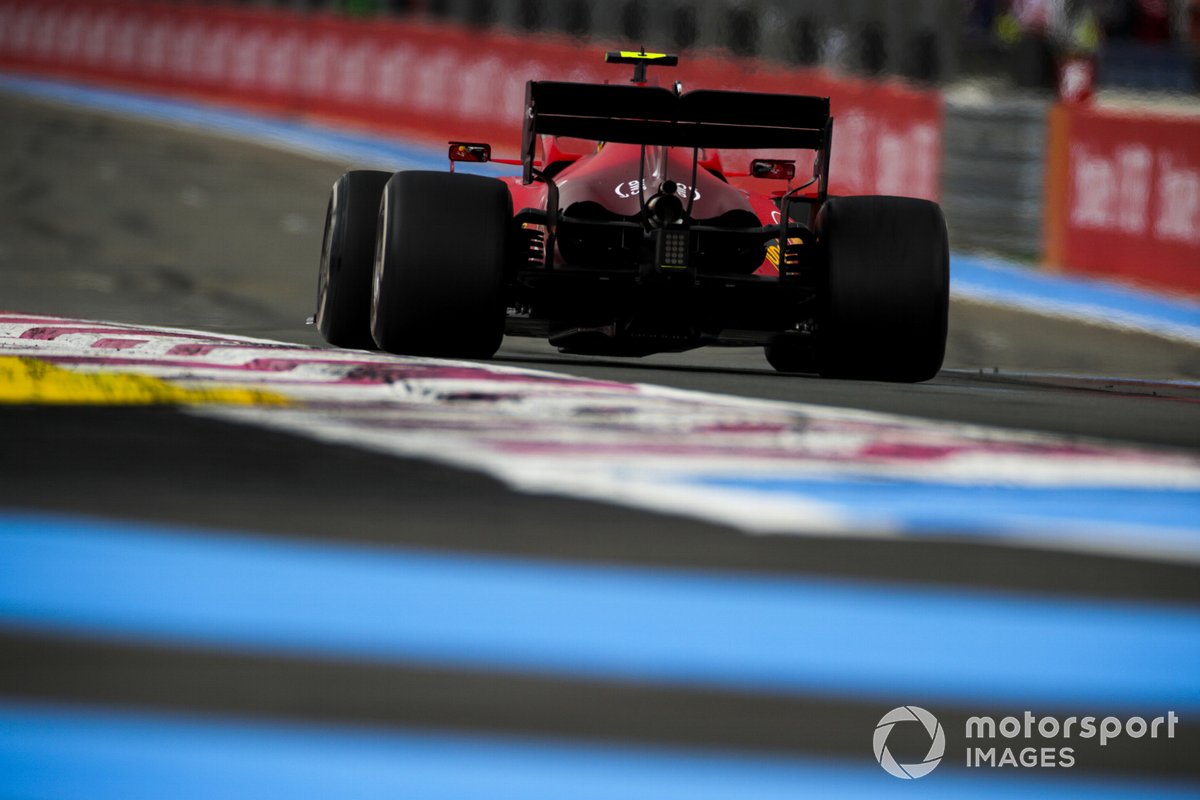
{"x":387,"y":664}
{"x":760,"y":466}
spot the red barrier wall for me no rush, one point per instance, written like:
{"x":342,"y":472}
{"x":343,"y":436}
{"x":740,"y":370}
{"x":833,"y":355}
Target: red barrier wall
{"x":424,"y":79}
{"x":1127,"y":190}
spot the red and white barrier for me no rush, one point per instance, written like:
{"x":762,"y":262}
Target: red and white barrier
{"x":1126,"y":190}
{"x":416,"y":78}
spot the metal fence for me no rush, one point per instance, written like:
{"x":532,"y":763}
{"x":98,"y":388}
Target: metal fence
{"x":915,"y":38}
{"x":992,"y":175}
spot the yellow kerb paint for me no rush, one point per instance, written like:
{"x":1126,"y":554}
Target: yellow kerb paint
{"x":31,"y":381}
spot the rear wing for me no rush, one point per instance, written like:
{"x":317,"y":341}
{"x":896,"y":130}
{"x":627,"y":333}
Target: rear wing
{"x":657,"y":116}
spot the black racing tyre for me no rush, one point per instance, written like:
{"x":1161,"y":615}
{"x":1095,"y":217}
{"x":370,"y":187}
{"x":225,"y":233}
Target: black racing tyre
{"x":791,"y":353}
{"x":886,"y":288}
{"x":438,"y":287}
{"x":347,"y":257}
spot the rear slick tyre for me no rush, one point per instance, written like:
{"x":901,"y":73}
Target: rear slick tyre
{"x":791,"y":353}
{"x":438,"y":280}
{"x":887,"y":289}
{"x":347,"y":257}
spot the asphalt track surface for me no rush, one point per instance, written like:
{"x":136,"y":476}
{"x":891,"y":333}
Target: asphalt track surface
{"x":104,"y":218}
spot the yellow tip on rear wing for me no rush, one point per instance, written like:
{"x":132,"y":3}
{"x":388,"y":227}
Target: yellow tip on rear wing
{"x":637,"y":57}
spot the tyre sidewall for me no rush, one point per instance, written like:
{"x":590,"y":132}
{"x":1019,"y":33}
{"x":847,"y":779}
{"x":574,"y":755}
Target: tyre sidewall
{"x":886,"y":291}
{"x":347,"y":258}
{"x":439,"y":268}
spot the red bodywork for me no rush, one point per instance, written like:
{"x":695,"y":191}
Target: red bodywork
{"x":608,"y":175}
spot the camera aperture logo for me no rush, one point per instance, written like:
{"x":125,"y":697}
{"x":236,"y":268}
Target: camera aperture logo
{"x":937,"y":742}
{"x":1027,"y":741}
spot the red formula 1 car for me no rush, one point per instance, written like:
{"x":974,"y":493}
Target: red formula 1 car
{"x":626,"y":235}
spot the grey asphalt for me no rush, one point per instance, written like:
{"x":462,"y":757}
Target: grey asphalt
{"x":105,"y":218}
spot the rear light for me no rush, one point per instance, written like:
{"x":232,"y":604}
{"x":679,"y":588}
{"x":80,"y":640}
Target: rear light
{"x":673,"y":247}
